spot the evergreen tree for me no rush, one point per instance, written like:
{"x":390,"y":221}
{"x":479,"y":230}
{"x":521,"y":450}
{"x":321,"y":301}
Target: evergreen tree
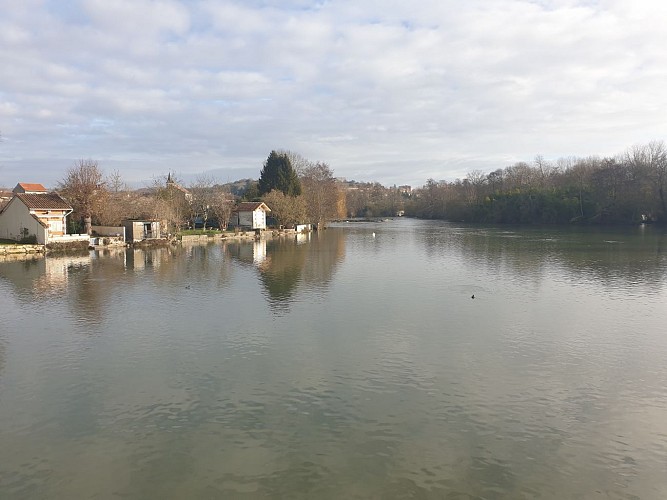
{"x":279,"y":174}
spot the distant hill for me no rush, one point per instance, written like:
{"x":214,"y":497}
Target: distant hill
{"x":237,"y":188}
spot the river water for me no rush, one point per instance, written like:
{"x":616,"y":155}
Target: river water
{"x":353,"y":363}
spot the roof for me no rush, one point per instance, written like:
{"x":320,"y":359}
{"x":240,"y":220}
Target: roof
{"x":171,"y":183}
{"x":40,"y":221}
{"x":251,"y":206}
{"x":46,"y":201}
{"x":28,"y":187}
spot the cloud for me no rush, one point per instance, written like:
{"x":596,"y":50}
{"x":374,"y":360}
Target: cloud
{"x":386,"y":91}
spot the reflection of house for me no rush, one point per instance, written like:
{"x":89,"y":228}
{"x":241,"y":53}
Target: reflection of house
{"x":138,"y":230}
{"x":258,"y":251}
{"x":33,"y":211}
{"x":250,"y":214}
{"x":254,"y":252}
{"x":44,"y":276}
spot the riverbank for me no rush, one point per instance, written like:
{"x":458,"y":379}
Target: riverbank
{"x":240,"y":235}
{"x":10,"y":251}
{"x":20,"y":249}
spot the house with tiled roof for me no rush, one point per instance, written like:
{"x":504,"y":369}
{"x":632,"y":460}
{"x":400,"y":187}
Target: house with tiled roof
{"x":33,"y":211}
{"x":28,"y":188}
{"x":171,"y":184}
{"x":250,"y":215}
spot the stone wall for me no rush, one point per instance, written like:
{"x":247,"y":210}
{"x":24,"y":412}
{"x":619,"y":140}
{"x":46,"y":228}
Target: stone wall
{"x":20,"y":249}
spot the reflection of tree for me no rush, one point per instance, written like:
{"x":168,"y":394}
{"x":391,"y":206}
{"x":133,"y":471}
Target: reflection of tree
{"x":281,"y":270}
{"x":196,"y":263}
{"x":609,"y":255}
{"x":92,"y":283}
{"x":289,"y":264}
{"x":325,"y":252}
{"x":23,"y":274}
{"x":286,"y":263}
{"x":82,"y":282}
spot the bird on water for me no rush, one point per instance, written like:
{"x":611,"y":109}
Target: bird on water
{"x":473,"y":296}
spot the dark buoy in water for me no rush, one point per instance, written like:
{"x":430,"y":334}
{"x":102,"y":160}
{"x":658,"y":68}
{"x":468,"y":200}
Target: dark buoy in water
{"x":473,"y":296}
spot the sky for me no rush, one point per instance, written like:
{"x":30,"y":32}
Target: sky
{"x":380,"y":90}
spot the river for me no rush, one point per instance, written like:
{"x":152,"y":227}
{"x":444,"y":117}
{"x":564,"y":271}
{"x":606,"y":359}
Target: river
{"x":353,"y":363}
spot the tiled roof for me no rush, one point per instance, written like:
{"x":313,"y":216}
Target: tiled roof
{"x":31,"y":187}
{"x":179,"y":187}
{"x":251,"y":206}
{"x":46,"y":201}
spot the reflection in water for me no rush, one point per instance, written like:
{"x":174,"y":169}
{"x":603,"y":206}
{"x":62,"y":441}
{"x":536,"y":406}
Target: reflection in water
{"x":3,"y":348}
{"x":88,"y":282}
{"x":281,"y":271}
{"x":37,"y":278}
{"x":285,"y":264}
{"x":379,"y":377}
{"x":617,"y":257}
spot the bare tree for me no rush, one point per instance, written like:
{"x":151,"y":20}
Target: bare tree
{"x":118,"y":201}
{"x":287,"y":210}
{"x":544,"y":171}
{"x":115,"y":182}
{"x":649,"y":163}
{"x":581,"y":171}
{"x":171,"y":203}
{"x":320,"y":191}
{"x":474,"y":185}
{"x":299,"y":162}
{"x":495,"y":180}
{"x":220,"y":206}
{"x":519,"y":176}
{"x":210,"y":201}
{"x":84,"y":187}
{"x":201,"y":191}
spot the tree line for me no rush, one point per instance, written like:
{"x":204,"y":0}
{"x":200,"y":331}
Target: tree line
{"x":626,"y":189}
{"x":296,"y":189}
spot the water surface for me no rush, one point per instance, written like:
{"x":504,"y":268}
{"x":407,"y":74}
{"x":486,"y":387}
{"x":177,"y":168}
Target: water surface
{"x":349,"y":364}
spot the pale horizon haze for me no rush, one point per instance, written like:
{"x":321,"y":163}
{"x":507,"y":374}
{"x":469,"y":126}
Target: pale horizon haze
{"x":386,"y":91}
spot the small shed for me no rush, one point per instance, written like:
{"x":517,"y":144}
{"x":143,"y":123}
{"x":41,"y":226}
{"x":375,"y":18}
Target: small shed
{"x":250,"y":214}
{"x":138,"y":230}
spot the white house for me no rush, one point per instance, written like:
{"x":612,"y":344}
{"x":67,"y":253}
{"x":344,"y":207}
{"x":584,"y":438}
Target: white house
{"x":34,"y":211}
{"x":250,"y":214}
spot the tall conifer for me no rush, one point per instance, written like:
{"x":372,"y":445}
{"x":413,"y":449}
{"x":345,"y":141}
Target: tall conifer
{"x":279,"y":174}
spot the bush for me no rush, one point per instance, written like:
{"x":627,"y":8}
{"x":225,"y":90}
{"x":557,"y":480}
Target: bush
{"x":69,"y":246}
{"x":30,"y":239}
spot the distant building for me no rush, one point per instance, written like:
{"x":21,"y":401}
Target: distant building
{"x":5,"y":196}
{"x":407,"y":190}
{"x":180,"y":189}
{"x":26,"y":188}
{"x":250,"y":215}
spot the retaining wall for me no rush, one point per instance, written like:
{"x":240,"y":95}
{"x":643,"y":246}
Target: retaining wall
{"x":20,"y":249}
